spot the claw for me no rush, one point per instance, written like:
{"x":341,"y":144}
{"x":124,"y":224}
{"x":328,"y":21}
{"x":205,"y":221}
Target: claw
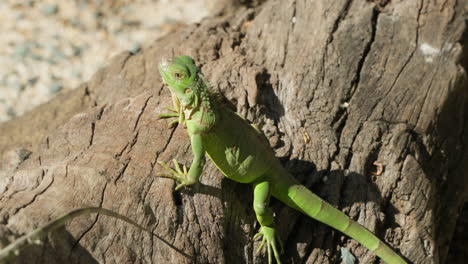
{"x":180,"y":186}
{"x":174,"y":112}
{"x":261,"y":246}
{"x":168,"y":168}
{"x":177,"y":173}
{"x":172,"y":109}
{"x":275,"y":251}
{"x":259,"y":234}
{"x":173,"y":123}
{"x":169,"y":115}
{"x":270,"y":236}
{"x":280,"y":243}
{"x":270,"y":260}
{"x":177,"y":166}
{"x":166,"y":115}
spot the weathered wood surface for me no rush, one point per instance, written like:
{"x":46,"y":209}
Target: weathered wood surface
{"x":335,"y":85}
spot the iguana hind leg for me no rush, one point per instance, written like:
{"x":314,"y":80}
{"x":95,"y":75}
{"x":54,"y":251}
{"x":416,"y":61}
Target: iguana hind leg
{"x":264,"y":213}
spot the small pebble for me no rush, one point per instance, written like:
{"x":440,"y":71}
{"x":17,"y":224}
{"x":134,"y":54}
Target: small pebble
{"x":57,"y":53}
{"x":75,"y":21}
{"x":17,"y":86}
{"x":135,"y":48}
{"x":20,"y":16}
{"x":37,"y":57}
{"x":52,"y":61}
{"x":55,"y":88}
{"x":76,"y":73}
{"x":50,"y":9}
{"x":11,"y":112}
{"x":76,"y":50}
{"x":33,"y":80}
{"x":131,"y":22}
{"x":21,"y":52}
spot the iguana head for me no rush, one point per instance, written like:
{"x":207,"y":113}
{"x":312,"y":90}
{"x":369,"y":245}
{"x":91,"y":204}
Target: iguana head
{"x":182,"y":76}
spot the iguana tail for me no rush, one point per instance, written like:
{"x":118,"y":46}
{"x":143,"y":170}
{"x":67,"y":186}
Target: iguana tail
{"x":299,"y":197}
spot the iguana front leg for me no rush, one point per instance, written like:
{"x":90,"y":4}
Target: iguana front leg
{"x":193,"y":174}
{"x":264,"y":213}
{"x":177,"y":111}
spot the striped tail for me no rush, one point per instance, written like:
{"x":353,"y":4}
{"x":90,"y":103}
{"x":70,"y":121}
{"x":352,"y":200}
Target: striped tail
{"x":302,"y":199}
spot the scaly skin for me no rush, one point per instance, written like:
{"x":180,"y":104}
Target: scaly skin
{"x":242,"y":153}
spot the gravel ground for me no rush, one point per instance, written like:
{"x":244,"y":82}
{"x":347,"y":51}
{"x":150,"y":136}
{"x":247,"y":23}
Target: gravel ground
{"x":53,"y":45}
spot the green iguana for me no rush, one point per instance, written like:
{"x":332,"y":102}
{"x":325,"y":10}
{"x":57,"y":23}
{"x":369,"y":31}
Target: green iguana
{"x":242,"y":153}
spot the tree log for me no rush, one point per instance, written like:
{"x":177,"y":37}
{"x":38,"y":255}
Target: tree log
{"x":365,"y":102}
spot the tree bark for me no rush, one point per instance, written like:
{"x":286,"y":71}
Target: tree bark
{"x":339,"y":88}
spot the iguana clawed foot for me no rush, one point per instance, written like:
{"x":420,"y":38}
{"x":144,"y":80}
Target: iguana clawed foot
{"x":179,"y":174}
{"x":272,"y":239}
{"x":177,"y":112}
{"x":173,"y":113}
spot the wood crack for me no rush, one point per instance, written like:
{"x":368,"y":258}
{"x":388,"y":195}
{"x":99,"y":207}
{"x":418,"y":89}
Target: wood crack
{"x":416,"y":40}
{"x":36,"y":195}
{"x":141,"y":112}
{"x":122,"y":171}
{"x":336,"y":24}
{"x":357,"y":78}
{"x":93,"y":126}
{"x":92,"y":225}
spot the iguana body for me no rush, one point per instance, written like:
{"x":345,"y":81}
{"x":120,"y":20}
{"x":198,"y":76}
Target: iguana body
{"x":242,"y":153}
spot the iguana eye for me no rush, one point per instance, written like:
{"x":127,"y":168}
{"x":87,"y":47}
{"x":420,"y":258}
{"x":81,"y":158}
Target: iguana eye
{"x":187,"y":90}
{"x":178,"y":75}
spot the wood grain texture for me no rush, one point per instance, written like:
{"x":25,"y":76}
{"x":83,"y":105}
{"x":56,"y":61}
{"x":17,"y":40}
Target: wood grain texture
{"x":335,"y":86}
